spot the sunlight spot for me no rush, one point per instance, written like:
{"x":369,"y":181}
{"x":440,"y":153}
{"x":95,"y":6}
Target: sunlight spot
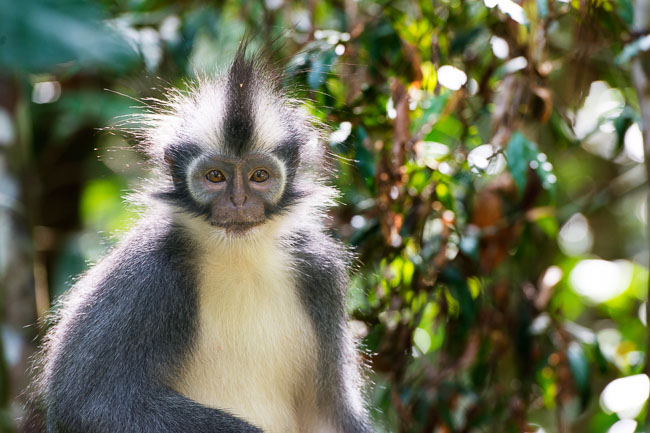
{"x":394,"y":192}
{"x":451,"y":77}
{"x":341,"y":134}
{"x":540,"y":324}
{"x":422,"y":340}
{"x":446,"y":169}
{"x":46,"y":92}
{"x":601,"y":143}
{"x":510,"y":8}
{"x":6,"y":128}
{"x":149,"y":45}
{"x":301,"y":21}
{"x":514,"y":65}
{"x":575,"y":236}
{"x":273,"y":4}
{"x":552,"y":276}
{"x":634,"y":143}
{"x":601,"y":280}
{"x":391,"y":112}
{"x":170,"y":29}
{"x":358,"y":221}
{"x":486,"y":158}
{"x":623,"y":426}
{"x":13,"y":346}
{"x":499,"y":47}
{"x":594,"y":121}
{"x":608,"y":340}
{"x":430,"y":153}
{"x":626,"y":396}
{"x":513,"y":10}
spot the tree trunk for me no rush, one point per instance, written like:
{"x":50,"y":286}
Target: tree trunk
{"x":17,"y":305}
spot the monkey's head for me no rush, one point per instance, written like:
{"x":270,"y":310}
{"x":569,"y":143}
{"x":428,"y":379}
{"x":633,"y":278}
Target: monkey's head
{"x":236,"y":151}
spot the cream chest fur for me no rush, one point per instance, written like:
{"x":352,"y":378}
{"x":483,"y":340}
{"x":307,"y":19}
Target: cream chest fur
{"x":255,"y":354}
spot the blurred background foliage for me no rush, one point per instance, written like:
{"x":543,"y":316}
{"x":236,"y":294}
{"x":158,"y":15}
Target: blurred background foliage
{"x":490,"y":162}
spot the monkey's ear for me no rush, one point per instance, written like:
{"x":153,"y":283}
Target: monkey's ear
{"x":170,"y":164}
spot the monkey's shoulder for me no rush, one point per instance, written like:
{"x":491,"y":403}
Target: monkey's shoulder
{"x":319,"y":250}
{"x":149,"y":257}
{"x":143,"y":280}
{"x":321,"y":264}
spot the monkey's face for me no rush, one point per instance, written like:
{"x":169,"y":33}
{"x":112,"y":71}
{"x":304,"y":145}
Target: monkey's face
{"x":232,"y":192}
{"x":238,"y":151}
{"x":239,"y":193}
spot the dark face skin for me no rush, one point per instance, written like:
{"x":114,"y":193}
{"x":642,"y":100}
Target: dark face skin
{"x":237,"y":190}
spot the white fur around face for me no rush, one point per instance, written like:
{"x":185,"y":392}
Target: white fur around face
{"x":255,"y":355}
{"x":195,"y":118}
{"x":270,"y":127}
{"x":203,"y":122}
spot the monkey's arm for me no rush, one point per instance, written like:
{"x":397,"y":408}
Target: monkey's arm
{"x":323,"y":284}
{"x":112,"y":357}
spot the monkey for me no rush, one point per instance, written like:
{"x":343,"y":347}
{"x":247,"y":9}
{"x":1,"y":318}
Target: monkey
{"x":223,"y":309}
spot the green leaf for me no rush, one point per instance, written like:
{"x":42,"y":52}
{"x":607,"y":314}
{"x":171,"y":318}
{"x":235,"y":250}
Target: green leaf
{"x":580,"y":370}
{"x":38,"y":35}
{"x":460,"y":291}
{"x":447,"y":130}
{"x":633,"y":49}
{"x":321,"y":64}
{"x":519,"y":153}
{"x":625,"y":10}
{"x":364,"y":159}
{"x":431,"y":108}
{"x":522,"y":154}
{"x":548,"y":224}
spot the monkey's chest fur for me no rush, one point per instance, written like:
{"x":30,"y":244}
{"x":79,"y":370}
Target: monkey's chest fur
{"x":255,"y":353}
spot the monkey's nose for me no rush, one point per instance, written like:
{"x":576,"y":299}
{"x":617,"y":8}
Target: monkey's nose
{"x":238,"y":200}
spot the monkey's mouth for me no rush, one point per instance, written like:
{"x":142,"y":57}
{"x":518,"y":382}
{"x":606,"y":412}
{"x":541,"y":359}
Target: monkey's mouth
{"x":237,"y":227}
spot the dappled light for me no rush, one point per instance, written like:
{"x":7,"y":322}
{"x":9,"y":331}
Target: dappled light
{"x":626,"y":396}
{"x":601,"y":280}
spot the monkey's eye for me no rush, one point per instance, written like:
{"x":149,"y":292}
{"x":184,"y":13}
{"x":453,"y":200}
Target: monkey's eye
{"x":215,"y":176}
{"x":260,"y":175}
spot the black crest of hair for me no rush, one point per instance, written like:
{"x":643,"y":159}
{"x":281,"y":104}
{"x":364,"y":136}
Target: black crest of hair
{"x":127,"y":328}
{"x":246,"y":75}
